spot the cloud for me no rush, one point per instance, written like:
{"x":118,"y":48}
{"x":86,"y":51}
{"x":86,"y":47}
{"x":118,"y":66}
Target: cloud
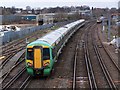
{"x":58,"y":1}
{"x":54,"y":3}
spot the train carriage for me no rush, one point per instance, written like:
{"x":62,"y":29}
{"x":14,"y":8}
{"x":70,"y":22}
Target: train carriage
{"x":42,"y":53}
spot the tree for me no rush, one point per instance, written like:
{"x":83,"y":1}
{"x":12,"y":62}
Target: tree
{"x":33,"y":11}
{"x":13,"y":10}
{"x":28,"y":8}
{"x":92,"y":8}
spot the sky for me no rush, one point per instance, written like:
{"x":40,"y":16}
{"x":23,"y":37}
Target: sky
{"x":60,"y":3}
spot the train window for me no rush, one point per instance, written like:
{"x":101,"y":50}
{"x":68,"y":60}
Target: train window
{"x":30,"y":54}
{"x":46,"y":53}
{"x":53,"y":52}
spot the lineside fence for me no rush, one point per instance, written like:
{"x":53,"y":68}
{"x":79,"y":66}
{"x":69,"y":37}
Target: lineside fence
{"x":8,"y":36}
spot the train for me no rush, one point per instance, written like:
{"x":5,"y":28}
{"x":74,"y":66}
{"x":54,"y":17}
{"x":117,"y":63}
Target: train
{"x":41,"y":54}
{"x":99,"y":21}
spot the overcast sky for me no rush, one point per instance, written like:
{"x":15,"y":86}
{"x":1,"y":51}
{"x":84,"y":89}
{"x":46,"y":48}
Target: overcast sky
{"x":54,"y":3}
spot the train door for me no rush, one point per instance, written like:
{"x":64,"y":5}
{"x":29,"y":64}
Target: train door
{"x":37,"y":58}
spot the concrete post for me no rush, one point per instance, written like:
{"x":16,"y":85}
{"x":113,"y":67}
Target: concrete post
{"x":103,"y":27}
{"x":109,"y":25}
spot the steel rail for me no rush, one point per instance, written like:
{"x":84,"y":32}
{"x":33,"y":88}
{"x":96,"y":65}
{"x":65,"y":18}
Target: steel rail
{"x":14,"y":79}
{"x":75,"y":65}
{"x":25,"y":83}
{"x":106,"y":73}
{"x":74,"y":71}
{"x":8,"y":58}
{"x":93,"y":84}
{"x":108,"y":53}
{"x":13,"y":50}
{"x":5,"y":75}
{"x":92,"y":81}
{"x":104,"y":69}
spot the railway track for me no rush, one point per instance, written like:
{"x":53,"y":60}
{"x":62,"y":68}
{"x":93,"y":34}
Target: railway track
{"x":106,"y":73}
{"x":90,"y":71}
{"x":9,"y":57}
{"x":102,"y":64}
{"x":11,"y":81}
{"x":19,"y":80}
{"x":92,"y":80}
{"x":6,"y":74}
{"x":13,"y":46}
{"x":76,"y":78}
{"x":88,"y":61}
{"x":113,"y":64}
{"x":25,"y":83}
{"x":11,"y":51}
{"x":108,"y":53}
{"x":9,"y":73}
{"x":74,"y":70}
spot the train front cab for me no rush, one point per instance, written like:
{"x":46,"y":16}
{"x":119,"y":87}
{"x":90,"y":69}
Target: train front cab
{"x":38,"y":60}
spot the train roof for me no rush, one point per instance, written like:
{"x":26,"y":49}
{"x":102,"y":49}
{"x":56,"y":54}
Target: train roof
{"x":54,"y":36}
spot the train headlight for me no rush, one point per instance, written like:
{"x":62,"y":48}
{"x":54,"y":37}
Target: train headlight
{"x":46,"y":64}
{"x":29,"y":64}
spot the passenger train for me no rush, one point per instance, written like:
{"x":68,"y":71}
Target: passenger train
{"x":99,"y":21}
{"x":42,"y":53}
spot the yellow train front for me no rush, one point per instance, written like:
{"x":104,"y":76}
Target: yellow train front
{"x":38,"y":58}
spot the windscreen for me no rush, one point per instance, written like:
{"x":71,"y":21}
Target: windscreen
{"x":46,"y":53}
{"x":30,"y":54}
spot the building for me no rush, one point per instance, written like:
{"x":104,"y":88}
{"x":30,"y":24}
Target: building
{"x":29,"y":17}
{"x":47,"y":18}
{"x":9,"y":19}
{"x":119,"y":4}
